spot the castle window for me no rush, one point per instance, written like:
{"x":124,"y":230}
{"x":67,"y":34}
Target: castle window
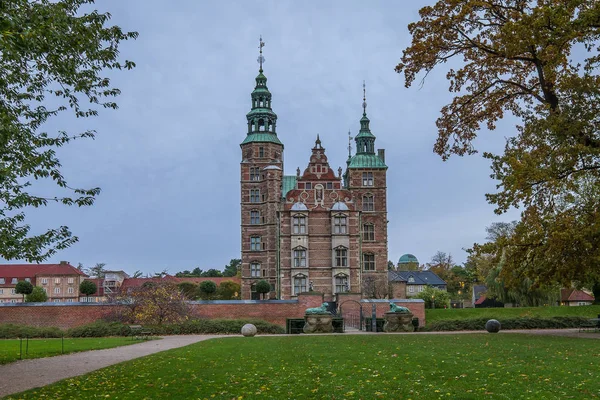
{"x":308,"y":185}
{"x":341,"y":284}
{"x":254,"y":173}
{"x":254,"y":217}
{"x":340,"y":224}
{"x":369,"y":262}
{"x":299,"y":284}
{"x":255,"y":244}
{"x":254,"y":195}
{"x":299,"y":225}
{"x":300,"y":257}
{"x":367,"y":203}
{"x":261,"y":151}
{"x":255,"y":270}
{"x":329,"y":185}
{"x":367,"y":178}
{"x":341,"y":257}
{"x":369,"y":232}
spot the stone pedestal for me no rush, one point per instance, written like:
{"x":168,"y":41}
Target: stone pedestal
{"x":398,"y":322}
{"x":318,"y":323}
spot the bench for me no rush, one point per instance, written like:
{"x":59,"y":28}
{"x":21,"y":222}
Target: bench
{"x":139,"y":332}
{"x":592,"y":323}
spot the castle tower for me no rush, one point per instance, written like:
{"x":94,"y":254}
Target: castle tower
{"x":261,"y":172}
{"x":365,"y":178}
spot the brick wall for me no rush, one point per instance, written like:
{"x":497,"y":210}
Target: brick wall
{"x":66,"y":316}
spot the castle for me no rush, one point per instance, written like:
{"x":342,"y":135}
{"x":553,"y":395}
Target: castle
{"x":317,"y":230}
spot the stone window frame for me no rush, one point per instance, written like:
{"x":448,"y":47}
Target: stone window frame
{"x":254,"y":195}
{"x":255,"y":217}
{"x":368,"y":234}
{"x":341,"y":281}
{"x":301,"y":287}
{"x":255,"y":269}
{"x":297,"y":257}
{"x":371,"y":262}
{"x":255,"y":243}
{"x":261,"y":152}
{"x":255,"y":173}
{"x":300,"y":228}
{"x":368,"y":179}
{"x":368,"y":202}
{"x":341,"y":257}
{"x":340,"y":224}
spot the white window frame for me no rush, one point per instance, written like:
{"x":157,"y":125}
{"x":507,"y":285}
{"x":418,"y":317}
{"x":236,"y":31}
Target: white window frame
{"x":299,"y":257}
{"x":300,"y":284}
{"x":70,"y":280}
{"x":341,"y":282}
{"x":57,"y":281}
{"x":367,"y":178}
{"x":411,"y":289}
{"x":56,"y":290}
{"x":2,"y":281}
{"x":368,"y":202}
{"x":341,"y":257}
{"x":299,"y":224}
{"x":44,"y":281}
{"x":28,"y":280}
{"x":14,"y":281}
{"x":340,"y":224}
{"x":70,"y":290}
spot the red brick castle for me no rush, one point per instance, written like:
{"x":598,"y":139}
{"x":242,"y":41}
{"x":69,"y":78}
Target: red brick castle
{"x":315,"y":230}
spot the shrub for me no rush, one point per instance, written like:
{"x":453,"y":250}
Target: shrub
{"x":441,"y":298}
{"x":216,"y":326}
{"x":476,"y":324}
{"x":37,"y":295}
{"x":189,"y":290}
{"x":229,"y":290}
{"x":10,"y":331}
{"x":207,"y":289}
{"x":100,"y":329}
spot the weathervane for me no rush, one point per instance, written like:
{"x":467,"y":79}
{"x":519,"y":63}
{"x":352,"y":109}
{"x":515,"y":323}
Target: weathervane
{"x":261,"y":59}
{"x":349,"y":144}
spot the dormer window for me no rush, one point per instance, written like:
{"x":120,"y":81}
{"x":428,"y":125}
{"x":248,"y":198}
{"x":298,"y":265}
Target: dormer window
{"x":411,"y":279}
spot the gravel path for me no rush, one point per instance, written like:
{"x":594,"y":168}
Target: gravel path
{"x":28,"y":374}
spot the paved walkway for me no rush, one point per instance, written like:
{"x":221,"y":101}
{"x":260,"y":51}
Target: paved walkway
{"x":28,"y":374}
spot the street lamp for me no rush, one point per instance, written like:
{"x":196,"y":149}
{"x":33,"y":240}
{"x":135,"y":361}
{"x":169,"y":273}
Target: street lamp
{"x":432,"y":301}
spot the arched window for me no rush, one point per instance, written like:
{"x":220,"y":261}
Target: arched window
{"x":368,"y":203}
{"x":300,"y":257}
{"x":341,"y":257}
{"x":299,"y":224}
{"x":369,"y":262}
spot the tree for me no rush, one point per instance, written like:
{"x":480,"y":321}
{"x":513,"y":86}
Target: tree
{"x":137,"y":274}
{"x":207,"y":289}
{"x":189,"y":290}
{"x":97,"y":270}
{"x":88,"y":288}
{"x":229,"y":290}
{"x":233,"y":268}
{"x":391,"y":266}
{"x":517,"y":56}
{"x":263,"y":287}
{"x":375,"y":287}
{"x":37,"y":295}
{"x":53,"y":56}
{"x":156,"y":304}
{"x":212,"y":273}
{"x":430,"y":295}
{"x":23,"y":287}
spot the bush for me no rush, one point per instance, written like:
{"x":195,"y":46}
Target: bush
{"x":477,"y":324}
{"x":215,"y":326}
{"x":207,"y":289}
{"x":88,"y":288}
{"x":37,"y":295}
{"x":10,"y":331}
{"x":100,"y":329}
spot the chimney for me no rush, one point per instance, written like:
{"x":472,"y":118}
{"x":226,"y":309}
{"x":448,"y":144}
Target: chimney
{"x":64,"y":263}
{"x":381,"y":154}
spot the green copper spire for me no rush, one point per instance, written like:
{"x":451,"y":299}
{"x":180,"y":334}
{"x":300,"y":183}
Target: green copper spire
{"x":261,"y":118}
{"x":365,"y":143}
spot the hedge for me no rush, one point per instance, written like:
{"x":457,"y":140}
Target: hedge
{"x":477,"y":324}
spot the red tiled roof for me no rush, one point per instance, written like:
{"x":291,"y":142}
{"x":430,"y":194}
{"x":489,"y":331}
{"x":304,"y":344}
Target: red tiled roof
{"x":574,"y":295}
{"x":22,"y":271}
{"x":480,"y":300}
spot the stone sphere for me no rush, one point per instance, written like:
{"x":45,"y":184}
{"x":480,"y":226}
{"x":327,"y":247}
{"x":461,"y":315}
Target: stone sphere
{"x":492,"y":326}
{"x":249,"y":330}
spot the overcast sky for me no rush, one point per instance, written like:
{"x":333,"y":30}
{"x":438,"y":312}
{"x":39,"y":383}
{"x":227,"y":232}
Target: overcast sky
{"x":168,"y":159}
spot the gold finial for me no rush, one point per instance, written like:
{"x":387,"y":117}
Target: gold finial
{"x":261,"y":59}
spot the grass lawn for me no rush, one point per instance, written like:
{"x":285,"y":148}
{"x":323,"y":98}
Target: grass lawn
{"x":38,"y":348}
{"x":468,"y":366}
{"x":499,"y":313}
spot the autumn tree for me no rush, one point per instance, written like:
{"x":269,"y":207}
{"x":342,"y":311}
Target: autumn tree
{"x":375,"y":287}
{"x":155,"y":304}
{"x":539,"y":62}
{"x":54,"y":58}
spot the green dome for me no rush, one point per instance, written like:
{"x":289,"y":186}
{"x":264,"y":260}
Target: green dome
{"x":407,"y":259}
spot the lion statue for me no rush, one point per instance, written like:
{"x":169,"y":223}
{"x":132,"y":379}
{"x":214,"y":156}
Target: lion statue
{"x":398,"y":309}
{"x":318,"y":310}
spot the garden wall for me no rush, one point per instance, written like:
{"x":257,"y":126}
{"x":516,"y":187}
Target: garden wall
{"x":68,"y":315}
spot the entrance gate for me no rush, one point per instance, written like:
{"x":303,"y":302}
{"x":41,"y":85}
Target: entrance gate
{"x":352,"y":312}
